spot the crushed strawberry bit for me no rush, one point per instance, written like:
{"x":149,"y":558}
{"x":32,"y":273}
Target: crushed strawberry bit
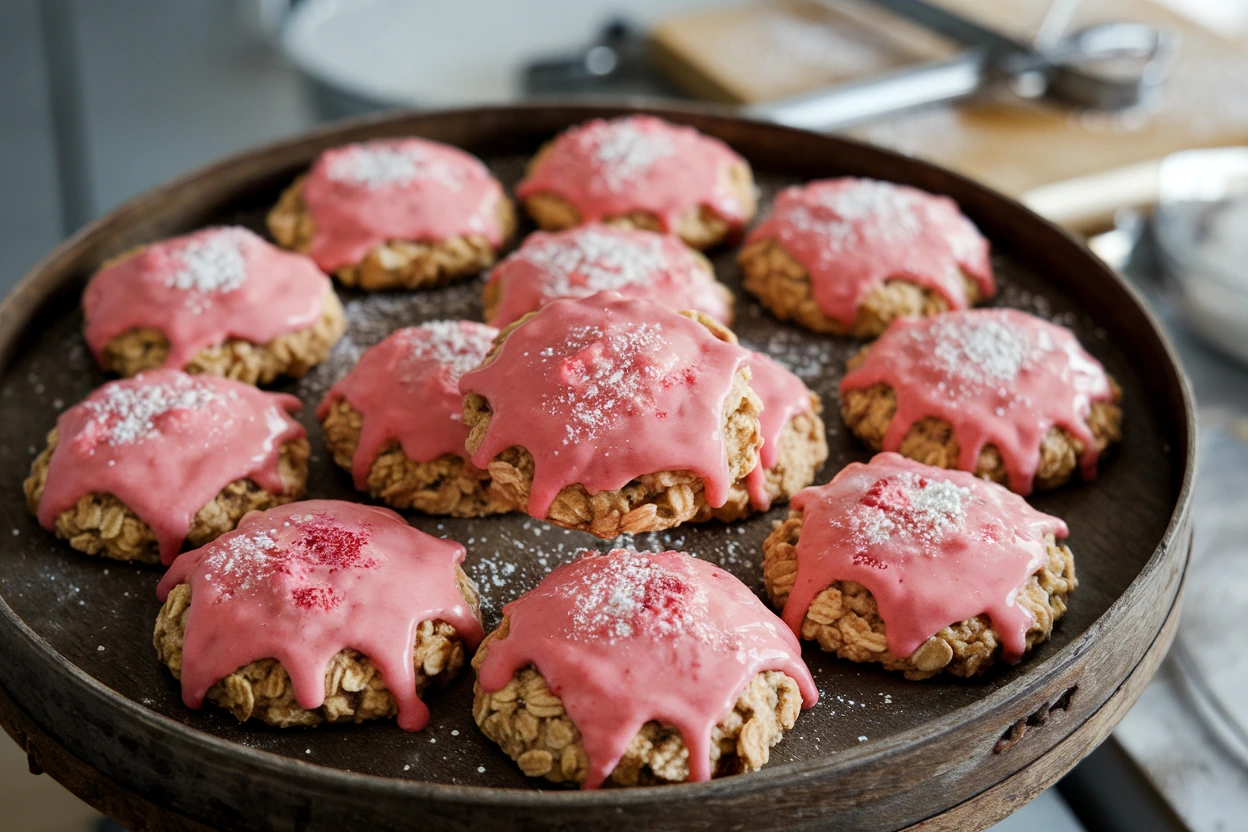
{"x":316,"y":597}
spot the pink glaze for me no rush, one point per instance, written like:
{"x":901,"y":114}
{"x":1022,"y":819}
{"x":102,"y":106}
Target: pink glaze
{"x":853,"y":235}
{"x":784,"y":396}
{"x":934,"y":547}
{"x":610,"y":168}
{"x":201,"y":290}
{"x":604,"y":389}
{"x":363,"y":195}
{"x":407,"y":388}
{"x":999,"y":376}
{"x":594,"y":258}
{"x":626,"y":637}
{"x":302,"y":582}
{"x":165,"y":443}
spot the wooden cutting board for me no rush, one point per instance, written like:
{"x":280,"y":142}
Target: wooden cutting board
{"x":1075,"y":167}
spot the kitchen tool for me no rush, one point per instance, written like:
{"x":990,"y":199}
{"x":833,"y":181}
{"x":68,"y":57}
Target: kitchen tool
{"x":81,"y":688}
{"x":1094,"y":161}
{"x":1109,"y":66}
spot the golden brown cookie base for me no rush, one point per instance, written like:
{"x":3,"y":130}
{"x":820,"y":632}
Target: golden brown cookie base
{"x":396,"y":264}
{"x":292,"y":354}
{"x":447,"y":485}
{"x":699,"y":227}
{"x":649,"y":503}
{"x":782,"y":285}
{"x":803,"y":449}
{"x":531,"y":726}
{"x":100,"y":524}
{"x":845,"y":620}
{"x":869,"y":411}
{"x":354,"y":688}
{"x":491,"y":293}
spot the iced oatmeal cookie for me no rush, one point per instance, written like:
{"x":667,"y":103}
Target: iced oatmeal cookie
{"x":145,"y":465}
{"x":1004,"y":394}
{"x":594,"y":258}
{"x":396,"y":421}
{"x":920,"y":569}
{"x":220,"y":301}
{"x":395,"y":214}
{"x":320,"y":611}
{"x":629,"y":640}
{"x":640,"y":172}
{"x":795,"y":444}
{"x":848,"y":256}
{"x":612,"y":415}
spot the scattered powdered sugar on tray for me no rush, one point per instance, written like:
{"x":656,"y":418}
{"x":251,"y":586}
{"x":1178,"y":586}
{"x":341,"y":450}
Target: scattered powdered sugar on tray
{"x":908,"y":507}
{"x":128,"y":414}
{"x":595,"y":260}
{"x":388,"y":164}
{"x":626,"y":153}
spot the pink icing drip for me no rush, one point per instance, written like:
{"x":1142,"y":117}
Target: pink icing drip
{"x":625,"y":637}
{"x":933,"y":547}
{"x":202,"y":289}
{"x":784,"y":396}
{"x":363,"y":195}
{"x":165,"y":443}
{"x":852,"y":235}
{"x":407,"y":388}
{"x":999,"y":376}
{"x":301,"y":582}
{"x":637,"y":163}
{"x":604,"y":389}
{"x":594,"y":258}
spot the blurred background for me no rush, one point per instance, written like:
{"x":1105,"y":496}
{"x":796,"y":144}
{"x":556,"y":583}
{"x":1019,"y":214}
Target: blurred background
{"x":1121,"y":119}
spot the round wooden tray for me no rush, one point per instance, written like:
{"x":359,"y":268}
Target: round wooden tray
{"x":83,"y":691}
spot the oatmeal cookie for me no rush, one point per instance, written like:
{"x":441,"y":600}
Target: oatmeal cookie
{"x":354,"y":688}
{"x":843,"y":616}
{"x":795,"y":444}
{"x":955,"y":369}
{"x":223,"y":448}
{"x":395,"y":214}
{"x":848,"y":256}
{"x":641,"y":172}
{"x":605,"y":619}
{"x":396,"y":421}
{"x":607,"y":373}
{"x":220,"y":302}
{"x":316,"y":576}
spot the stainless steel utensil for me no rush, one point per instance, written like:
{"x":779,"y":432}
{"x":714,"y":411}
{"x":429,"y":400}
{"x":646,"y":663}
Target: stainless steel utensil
{"x":1109,"y":66}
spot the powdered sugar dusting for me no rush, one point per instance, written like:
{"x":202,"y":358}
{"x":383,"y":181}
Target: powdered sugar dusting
{"x":624,"y":594}
{"x":595,"y":260}
{"x":212,"y":261}
{"x":910,"y":507}
{"x":604,"y":373}
{"x":980,"y":350}
{"x":379,"y":165}
{"x":127,"y":413}
{"x":856,"y":210}
{"x":626,"y":152}
{"x":458,"y":346}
